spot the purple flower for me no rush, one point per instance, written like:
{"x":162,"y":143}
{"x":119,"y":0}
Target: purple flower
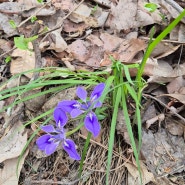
{"x":55,"y":136}
{"x":76,"y":108}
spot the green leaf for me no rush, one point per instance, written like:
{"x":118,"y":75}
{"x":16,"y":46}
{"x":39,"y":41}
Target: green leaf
{"x":8,"y":59}
{"x":33,"y":19}
{"x":12,"y":24}
{"x":151,"y":7}
{"x":40,"y":1}
{"x":22,"y":43}
{"x":112,"y":133}
{"x":127,"y":74}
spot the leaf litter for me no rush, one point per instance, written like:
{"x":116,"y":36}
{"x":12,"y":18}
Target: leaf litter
{"x":85,"y":40}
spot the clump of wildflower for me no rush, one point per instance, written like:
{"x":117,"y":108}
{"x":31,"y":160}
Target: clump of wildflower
{"x":56,"y":136}
{"x":76,"y":108}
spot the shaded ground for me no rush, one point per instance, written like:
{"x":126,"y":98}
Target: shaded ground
{"x":81,"y":36}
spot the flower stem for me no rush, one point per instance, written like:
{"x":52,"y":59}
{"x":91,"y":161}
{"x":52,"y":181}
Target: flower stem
{"x":75,"y":130}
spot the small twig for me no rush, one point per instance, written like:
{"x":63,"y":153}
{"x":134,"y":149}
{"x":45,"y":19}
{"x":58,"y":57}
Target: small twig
{"x":114,"y":152}
{"x":67,"y":182}
{"x":7,"y":52}
{"x":59,"y":25}
{"x":164,"y":40}
{"x":38,"y":58}
{"x":163,"y":104}
{"x":26,"y":20}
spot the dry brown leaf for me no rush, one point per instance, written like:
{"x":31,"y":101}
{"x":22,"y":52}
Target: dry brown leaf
{"x":128,"y":52}
{"x":100,"y":16}
{"x":8,"y":175}
{"x":69,"y":26}
{"x":12,"y":144}
{"x":95,"y":40}
{"x":79,"y":50}
{"x":133,"y":16}
{"x":80,"y":14}
{"x":175,"y":85}
{"x":163,"y":49}
{"x":179,"y":97}
{"x":111,"y":42}
{"x":121,"y":127}
{"x":56,"y":42}
{"x":5,"y":26}
{"x":65,"y":5}
{"x":5,"y":45}
{"x":178,"y":33}
{"x":24,"y":61}
{"x":174,"y":128}
{"x":133,"y":175}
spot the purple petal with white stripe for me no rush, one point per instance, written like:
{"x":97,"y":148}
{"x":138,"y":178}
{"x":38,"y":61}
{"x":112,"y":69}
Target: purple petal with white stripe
{"x":97,"y":92}
{"x":60,"y":117}
{"x":48,"y":128}
{"x":91,"y":124}
{"x":81,"y":93}
{"x":69,"y":147}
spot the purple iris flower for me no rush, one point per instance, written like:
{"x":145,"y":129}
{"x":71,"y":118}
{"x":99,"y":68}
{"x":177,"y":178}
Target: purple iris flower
{"x":76,"y":108}
{"x":55,"y":136}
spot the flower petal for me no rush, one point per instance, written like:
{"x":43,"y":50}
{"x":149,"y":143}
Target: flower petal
{"x":91,"y":124}
{"x":51,"y":148}
{"x":76,"y":112}
{"x":97,"y":92}
{"x":43,"y":141}
{"x":69,"y":147}
{"x":48,"y":128}
{"x":81,"y":93}
{"x":60,"y":117}
{"x":68,"y":106}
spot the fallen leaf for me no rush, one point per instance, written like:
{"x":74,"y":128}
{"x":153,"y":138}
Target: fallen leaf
{"x":12,"y":144}
{"x":24,"y":61}
{"x":6,"y":27}
{"x":174,"y":128}
{"x":79,"y":50}
{"x":163,"y":49}
{"x":133,"y":16}
{"x":69,"y":26}
{"x":54,"y":41}
{"x":133,"y":176}
{"x":80,"y":14}
{"x":179,"y":97}
{"x":9,"y":175}
{"x":175,"y":85}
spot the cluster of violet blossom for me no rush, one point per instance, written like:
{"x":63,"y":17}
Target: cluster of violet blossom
{"x":56,"y":135}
